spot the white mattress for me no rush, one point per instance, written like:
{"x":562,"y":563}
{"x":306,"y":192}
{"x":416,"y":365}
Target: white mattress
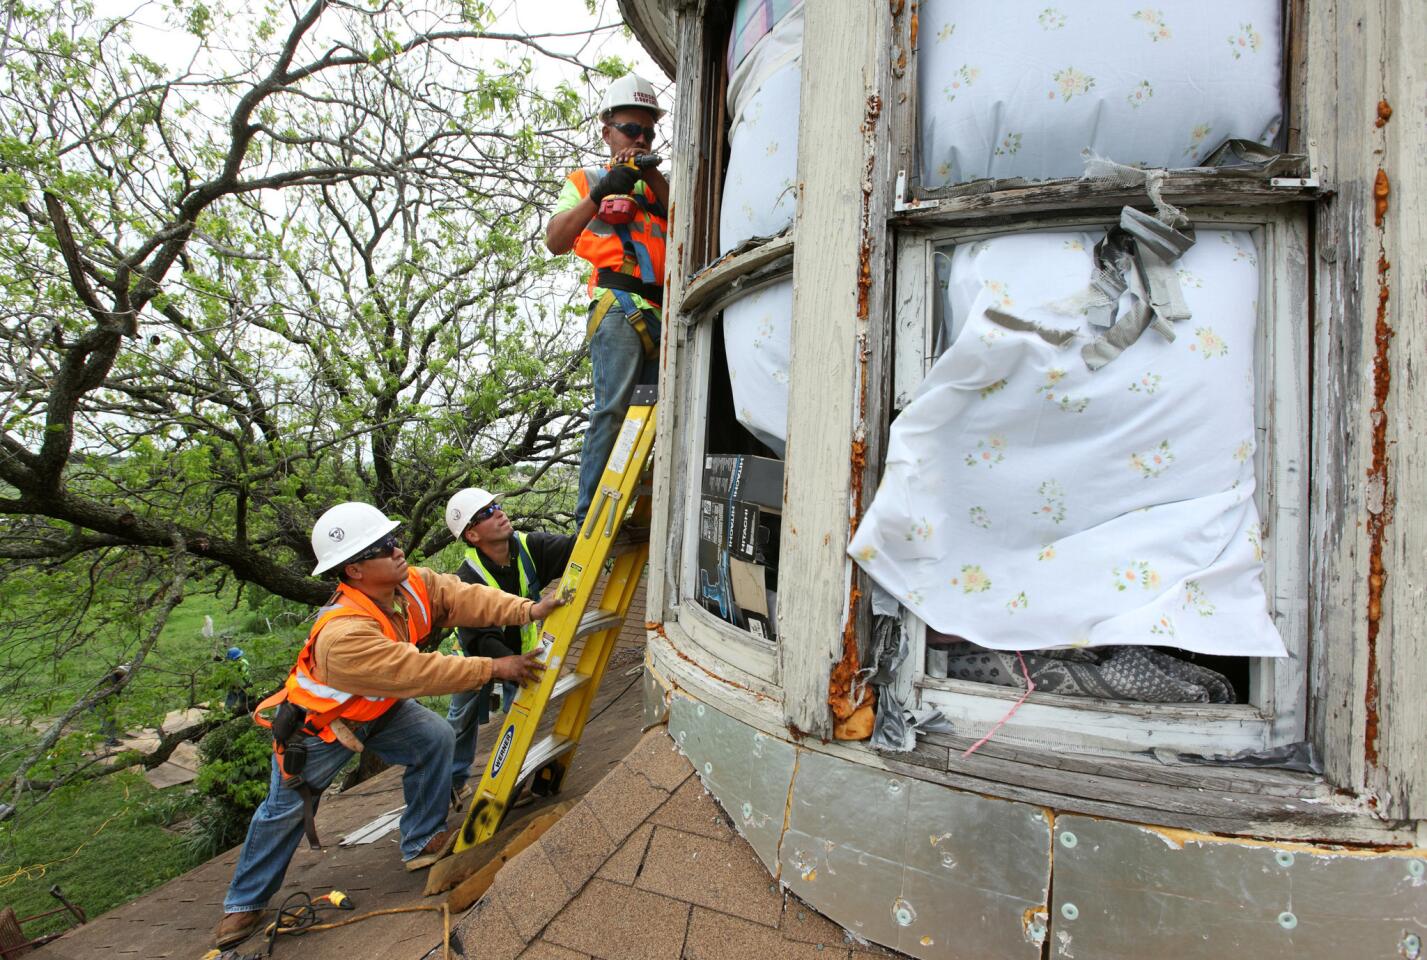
{"x":1020,"y":89}
{"x":758,"y":201}
{"x":1029,"y":502}
{"x":757,"y":335}
{"x":763,"y":98}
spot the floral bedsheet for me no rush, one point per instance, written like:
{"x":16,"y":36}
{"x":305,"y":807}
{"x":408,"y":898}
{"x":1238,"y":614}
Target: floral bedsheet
{"x":1020,"y":89}
{"x":1029,"y":502}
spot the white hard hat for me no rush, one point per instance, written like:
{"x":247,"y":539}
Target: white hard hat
{"x":463,"y":506}
{"x":630,"y":91}
{"x":345,"y":531}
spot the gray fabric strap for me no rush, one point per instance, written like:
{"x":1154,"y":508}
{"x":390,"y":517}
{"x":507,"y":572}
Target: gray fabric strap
{"x":1136,"y":257}
{"x":1056,"y":338}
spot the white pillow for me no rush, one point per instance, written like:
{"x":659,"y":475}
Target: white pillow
{"x":763,"y":99}
{"x":757,"y":333}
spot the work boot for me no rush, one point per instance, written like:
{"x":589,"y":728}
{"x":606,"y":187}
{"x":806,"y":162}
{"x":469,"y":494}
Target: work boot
{"x":432,"y":851}
{"x":234,"y":928}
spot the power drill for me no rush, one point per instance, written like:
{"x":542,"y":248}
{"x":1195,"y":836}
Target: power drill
{"x":621,"y":207}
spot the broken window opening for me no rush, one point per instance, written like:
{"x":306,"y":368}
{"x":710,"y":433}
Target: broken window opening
{"x":1267,"y":249}
{"x":739,"y":491}
{"x":743,"y":349}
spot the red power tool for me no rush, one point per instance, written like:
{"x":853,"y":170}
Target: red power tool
{"x":621,"y":207}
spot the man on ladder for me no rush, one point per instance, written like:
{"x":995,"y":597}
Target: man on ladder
{"x":518,"y":563}
{"x":616,"y":218}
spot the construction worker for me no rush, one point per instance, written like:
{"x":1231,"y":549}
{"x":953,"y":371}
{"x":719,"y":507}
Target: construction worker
{"x":616,"y":217}
{"x":519,"y":563}
{"x":349,"y":689}
{"x":238,"y":699}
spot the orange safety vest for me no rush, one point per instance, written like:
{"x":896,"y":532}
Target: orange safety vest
{"x":601,"y":245}
{"x":324,"y":703}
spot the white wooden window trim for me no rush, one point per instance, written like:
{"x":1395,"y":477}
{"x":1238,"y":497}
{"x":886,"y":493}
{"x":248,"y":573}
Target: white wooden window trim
{"x":1276,"y":713}
{"x":734,"y":275}
{"x":737,"y":648}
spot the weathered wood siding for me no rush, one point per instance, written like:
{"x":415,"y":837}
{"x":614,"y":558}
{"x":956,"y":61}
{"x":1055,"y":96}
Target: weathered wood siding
{"x":1369,"y":659}
{"x":837,"y":274}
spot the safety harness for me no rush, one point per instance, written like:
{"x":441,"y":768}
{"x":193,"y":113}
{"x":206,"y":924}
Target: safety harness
{"x":634,"y":275}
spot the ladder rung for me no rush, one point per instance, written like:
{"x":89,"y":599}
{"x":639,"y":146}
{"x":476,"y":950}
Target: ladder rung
{"x":596,"y":621}
{"x":567,"y":683}
{"x":543,"y":752}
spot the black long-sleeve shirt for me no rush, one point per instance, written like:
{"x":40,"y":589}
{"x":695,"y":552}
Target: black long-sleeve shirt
{"x":550,"y":552}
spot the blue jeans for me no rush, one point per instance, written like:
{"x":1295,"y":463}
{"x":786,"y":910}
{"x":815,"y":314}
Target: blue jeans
{"x":412,"y":736}
{"x":468,"y":710}
{"x":618,"y":365}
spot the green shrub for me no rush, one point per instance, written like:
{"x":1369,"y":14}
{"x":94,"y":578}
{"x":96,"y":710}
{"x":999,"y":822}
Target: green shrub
{"x":232,"y":781}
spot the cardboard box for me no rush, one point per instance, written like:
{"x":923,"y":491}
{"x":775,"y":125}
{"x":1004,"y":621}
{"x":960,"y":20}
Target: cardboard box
{"x":755,"y":480}
{"x":739,"y":523}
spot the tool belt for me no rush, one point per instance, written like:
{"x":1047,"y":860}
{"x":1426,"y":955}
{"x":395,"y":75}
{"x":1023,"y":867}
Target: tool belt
{"x":291,"y":726}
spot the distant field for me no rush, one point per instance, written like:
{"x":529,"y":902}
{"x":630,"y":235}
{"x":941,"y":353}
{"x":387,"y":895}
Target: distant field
{"x":109,"y":841}
{"x":105,"y":842}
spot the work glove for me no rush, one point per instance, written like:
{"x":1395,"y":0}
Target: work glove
{"x":620,"y":180}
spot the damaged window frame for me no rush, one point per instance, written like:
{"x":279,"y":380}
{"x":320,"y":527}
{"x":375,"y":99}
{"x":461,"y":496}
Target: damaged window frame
{"x":1276,"y":712}
{"x":1274,"y":200}
{"x":723,"y":283}
{"x":741,"y":656}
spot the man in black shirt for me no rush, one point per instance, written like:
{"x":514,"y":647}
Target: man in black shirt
{"x":499,"y":557}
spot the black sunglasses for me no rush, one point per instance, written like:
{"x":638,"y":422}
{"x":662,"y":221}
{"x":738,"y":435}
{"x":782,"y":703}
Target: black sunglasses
{"x":384,"y":547}
{"x":632,"y":130}
{"x":485,"y":513}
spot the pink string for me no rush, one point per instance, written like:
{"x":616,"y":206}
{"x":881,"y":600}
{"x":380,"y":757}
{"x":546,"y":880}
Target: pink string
{"x":1030,"y":688}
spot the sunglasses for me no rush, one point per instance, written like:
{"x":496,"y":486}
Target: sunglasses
{"x":485,"y":513}
{"x":632,"y":130}
{"x":384,"y":547}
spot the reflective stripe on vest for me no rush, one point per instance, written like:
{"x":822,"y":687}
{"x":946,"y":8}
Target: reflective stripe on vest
{"x":604,"y":246}
{"x":327,"y":702}
{"x":529,"y":585}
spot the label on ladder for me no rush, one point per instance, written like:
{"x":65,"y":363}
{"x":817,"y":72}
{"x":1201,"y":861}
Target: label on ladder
{"x":502,"y":751}
{"x":624,"y":445}
{"x":570,"y":582}
{"x":547,"y":641}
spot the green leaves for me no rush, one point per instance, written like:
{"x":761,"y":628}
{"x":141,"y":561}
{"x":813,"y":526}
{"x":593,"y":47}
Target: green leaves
{"x":349,"y":300}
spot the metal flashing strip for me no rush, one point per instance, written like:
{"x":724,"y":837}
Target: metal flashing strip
{"x":922,"y":868}
{"x":748,"y":772}
{"x":941,"y":874}
{"x":1125,"y":890}
{"x":934,"y":872}
{"x":376,"y":829}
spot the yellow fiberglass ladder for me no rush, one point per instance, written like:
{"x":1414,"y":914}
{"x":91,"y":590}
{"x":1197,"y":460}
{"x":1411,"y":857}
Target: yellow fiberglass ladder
{"x":518,"y":759}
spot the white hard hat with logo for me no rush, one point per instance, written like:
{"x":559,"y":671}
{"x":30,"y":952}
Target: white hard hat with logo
{"x":463,"y":505}
{"x":345,"y":531}
{"x":630,"y":91}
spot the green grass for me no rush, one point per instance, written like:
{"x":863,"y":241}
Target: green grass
{"x":101,"y":842}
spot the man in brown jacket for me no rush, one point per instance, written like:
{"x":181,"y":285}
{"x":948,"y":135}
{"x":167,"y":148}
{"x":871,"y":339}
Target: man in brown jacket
{"x":352,"y":683}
